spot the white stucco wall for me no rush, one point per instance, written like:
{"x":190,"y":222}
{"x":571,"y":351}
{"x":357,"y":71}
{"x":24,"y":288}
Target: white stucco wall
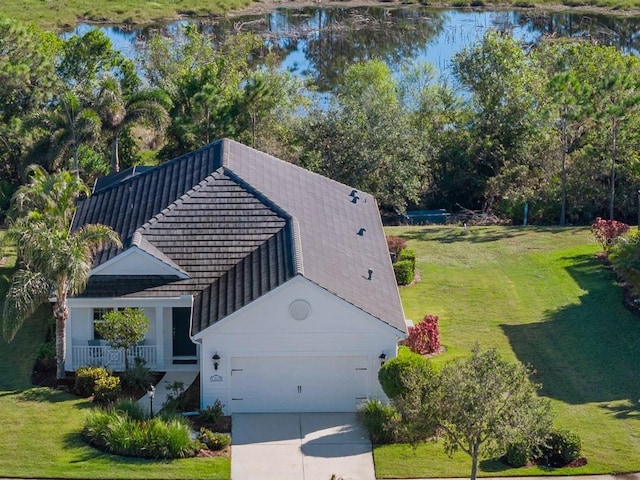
{"x":265,"y":328}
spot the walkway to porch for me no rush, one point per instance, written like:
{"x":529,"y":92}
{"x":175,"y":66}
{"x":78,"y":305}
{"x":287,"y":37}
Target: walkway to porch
{"x":186,"y":377}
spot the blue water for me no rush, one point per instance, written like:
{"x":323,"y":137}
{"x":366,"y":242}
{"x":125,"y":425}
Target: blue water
{"x":414,"y":34}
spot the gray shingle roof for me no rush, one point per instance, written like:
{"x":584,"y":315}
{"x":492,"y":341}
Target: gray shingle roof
{"x":239,"y":223}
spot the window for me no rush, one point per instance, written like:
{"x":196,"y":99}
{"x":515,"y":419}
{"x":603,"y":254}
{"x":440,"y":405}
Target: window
{"x":98,"y":316}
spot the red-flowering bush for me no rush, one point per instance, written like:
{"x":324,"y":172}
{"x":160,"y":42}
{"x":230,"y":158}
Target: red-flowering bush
{"x":396,"y":245}
{"x":425,"y":337}
{"x":606,"y":231}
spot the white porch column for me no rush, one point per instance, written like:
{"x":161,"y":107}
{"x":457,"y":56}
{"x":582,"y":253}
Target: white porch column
{"x":160,"y":339}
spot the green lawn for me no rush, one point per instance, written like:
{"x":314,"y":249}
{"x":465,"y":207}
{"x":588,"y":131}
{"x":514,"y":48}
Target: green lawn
{"x":539,"y":296}
{"x":40,"y":427}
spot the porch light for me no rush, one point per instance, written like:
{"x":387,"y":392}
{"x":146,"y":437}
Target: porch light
{"x":382,"y":358}
{"x":216,"y":360}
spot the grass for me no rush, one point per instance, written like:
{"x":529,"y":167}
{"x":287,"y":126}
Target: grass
{"x":65,"y":14}
{"x":536,"y":294}
{"x":539,"y":296}
{"x":41,"y":426}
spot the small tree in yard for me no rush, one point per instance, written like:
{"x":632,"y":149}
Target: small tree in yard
{"x":123,"y":329}
{"x":483,"y":403}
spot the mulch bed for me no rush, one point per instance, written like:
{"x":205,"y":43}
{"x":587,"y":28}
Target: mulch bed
{"x":223,"y":426}
{"x":204,"y":453}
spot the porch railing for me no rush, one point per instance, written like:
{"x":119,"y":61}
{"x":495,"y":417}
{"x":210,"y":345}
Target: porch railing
{"x":112,"y":358}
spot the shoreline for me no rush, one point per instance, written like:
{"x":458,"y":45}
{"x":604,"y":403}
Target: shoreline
{"x":267,"y":6}
{"x":263,"y":7}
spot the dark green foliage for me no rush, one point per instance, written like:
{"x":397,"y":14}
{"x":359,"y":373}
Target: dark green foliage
{"x":138,"y":377}
{"x":86,"y":378}
{"x":214,"y":440}
{"x":131,"y":408}
{"x":380,"y":420}
{"x":404,"y":374}
{"x":123,"y":329}
{"x":116,"y":432}
{"x":480,"y":405}
{"x":46,"y":355}
{"x":213,"y":413}
{"x":410,"y":255}
{"x":404,"y":271}
{"x":624,"y":256}
{"x":561,"y":447}
{"x":518,"y":454}
{"x":355,"y":139}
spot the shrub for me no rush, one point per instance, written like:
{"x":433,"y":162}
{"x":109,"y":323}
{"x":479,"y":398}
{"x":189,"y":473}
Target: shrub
{"x":606,"y":231}
{"x":396,"y":245}
{"x":138,"y":377}
{"x":561,"y":447}
{"x":625,"y":260}
{"x":380,"y":420}
{"x":214,"y":440}
{"x":404,"y":272}
{"x":518,"y":454}
{"x":404,"y":374}
{"x":131,"y":408}
{"x":408,"y":255}
{"x":213,"y":413}
{"x":97,"y":426}
{"x":169,"y":438}
{"x":107,"y":389}
{"x":119,"y":434}
{"x":86,"y":378}
{"x":46,"y":355}
{"x":425,"y":337}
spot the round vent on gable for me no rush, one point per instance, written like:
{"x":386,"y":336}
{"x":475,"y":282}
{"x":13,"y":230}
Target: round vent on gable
{"x":299,"y":309}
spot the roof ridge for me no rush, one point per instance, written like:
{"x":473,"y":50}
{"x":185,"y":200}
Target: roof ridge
{"x":155,"y":169}
{"x":318,"y":176}
{"x":296,"y":242}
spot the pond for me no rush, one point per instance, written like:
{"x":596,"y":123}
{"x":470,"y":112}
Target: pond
{"x":323,"y":42}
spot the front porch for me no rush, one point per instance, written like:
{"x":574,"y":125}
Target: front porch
{"x":166,"y":346}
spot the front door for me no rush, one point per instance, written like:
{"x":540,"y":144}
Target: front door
{"x":182,"y":344}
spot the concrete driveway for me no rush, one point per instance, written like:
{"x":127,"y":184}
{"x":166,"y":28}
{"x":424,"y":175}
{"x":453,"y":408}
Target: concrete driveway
{"x":300,"y":446}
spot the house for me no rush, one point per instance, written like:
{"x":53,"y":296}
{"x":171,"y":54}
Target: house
{"x":275,"y":283}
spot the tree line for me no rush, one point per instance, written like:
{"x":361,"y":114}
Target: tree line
{"x":552,"y":125}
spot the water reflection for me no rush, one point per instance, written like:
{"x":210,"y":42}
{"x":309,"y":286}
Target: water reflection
{"x":323,"y":42}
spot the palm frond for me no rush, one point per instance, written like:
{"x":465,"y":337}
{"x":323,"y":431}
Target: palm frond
{"x":84,"y":244}
{"x":28,"y":291}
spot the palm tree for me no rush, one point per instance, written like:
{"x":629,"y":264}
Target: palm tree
{"x":55,"y":261}
{"x":149,"y":107}
{"x":74,"y":123}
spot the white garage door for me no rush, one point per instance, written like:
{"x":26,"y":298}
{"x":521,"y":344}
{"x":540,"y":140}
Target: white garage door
{"x":298,"y":384}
